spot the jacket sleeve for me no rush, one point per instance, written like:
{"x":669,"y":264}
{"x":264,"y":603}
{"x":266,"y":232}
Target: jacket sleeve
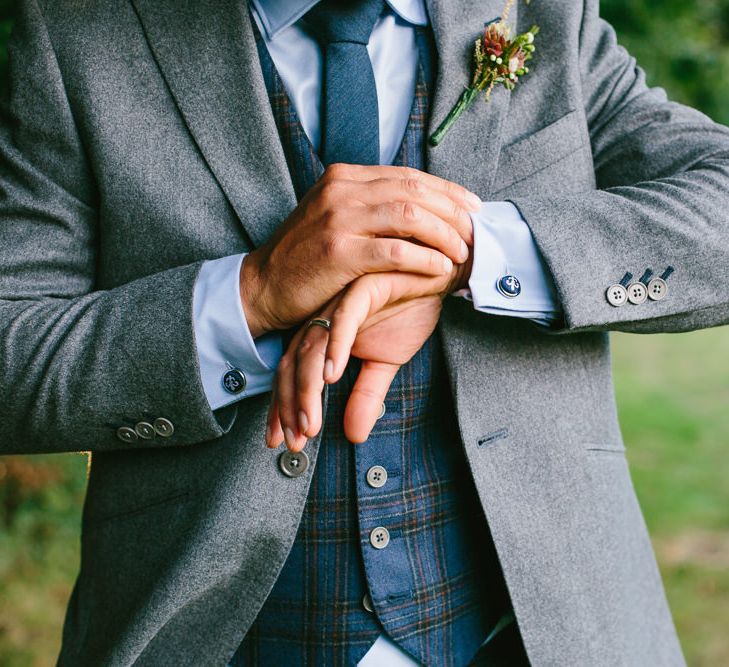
{"x":662,"y":201}
{"x":76,"y":363}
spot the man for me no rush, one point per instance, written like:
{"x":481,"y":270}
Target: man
{"x":191,"y":189}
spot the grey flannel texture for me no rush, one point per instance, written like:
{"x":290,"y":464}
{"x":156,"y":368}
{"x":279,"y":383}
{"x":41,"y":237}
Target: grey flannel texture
{"x":138,"y":141}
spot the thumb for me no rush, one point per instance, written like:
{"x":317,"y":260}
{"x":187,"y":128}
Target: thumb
{"x":365,"y":402}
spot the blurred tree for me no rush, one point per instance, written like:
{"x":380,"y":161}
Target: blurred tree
{"x":7,"y":8}
{"x":684,"y":47}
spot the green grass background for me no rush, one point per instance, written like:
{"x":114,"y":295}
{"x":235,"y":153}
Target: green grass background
{"x":673,"y":393}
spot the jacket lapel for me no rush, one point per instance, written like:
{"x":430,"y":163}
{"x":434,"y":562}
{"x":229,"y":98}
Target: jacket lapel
{"x":207,"y":54}
{"x":469,"y":153}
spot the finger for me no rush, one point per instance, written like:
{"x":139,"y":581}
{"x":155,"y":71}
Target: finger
{"x":379,"y":255}
{"x":360,"y":299}
{"x":363,"y":300}
{"x":456,"y":192}
{"x":410,"y":220}
{"x":365,"y":402}
{"x":274,"y":432}
{"x":310,"y":356}
{"x":415,"y":191}
{"x":286,"y":398}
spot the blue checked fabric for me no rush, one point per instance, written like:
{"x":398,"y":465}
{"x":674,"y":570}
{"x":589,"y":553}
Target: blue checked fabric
{"x":437,"y":588}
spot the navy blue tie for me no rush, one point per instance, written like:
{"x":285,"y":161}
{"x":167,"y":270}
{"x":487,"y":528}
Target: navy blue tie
{"x":350,"y":116}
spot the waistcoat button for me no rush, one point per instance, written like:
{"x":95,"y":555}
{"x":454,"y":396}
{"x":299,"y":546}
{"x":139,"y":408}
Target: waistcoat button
{"x":376,"y":477}
{"x":380,"y":537}
{"x":367,"y":603}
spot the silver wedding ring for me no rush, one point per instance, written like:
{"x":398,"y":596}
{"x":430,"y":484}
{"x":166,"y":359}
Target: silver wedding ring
{"x":320,"y":322}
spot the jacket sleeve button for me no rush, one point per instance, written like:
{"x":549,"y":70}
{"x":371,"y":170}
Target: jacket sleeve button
{"x":657,"y":289}
{"x":126,"y":434}
{"x":163,"y":427}
{"x":145,"y":430}
{"x":617,"y":295}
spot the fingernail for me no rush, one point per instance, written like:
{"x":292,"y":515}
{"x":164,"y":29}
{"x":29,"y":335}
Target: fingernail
{"x":268,"y":435}
{"x":447,"y":265}
{"x":464,"y":251}
{"x":474,"y":202}
{"x":328,"y":369}
{"x":303,"y":422}
{"x":289,"y":436}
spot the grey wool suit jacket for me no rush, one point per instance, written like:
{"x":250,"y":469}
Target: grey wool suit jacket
{"x":138,"y":141}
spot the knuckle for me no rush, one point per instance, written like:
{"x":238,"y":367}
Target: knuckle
{"x":329,"y":222}
{"x":304,"y":348}
{"x":414,"y":186}
{"x":454,"y":189}
{"x":397,"y":253}
{"x":334,"y":246}
{"x":410,"y":212}
{"x":453,"y":235}
{"x":410,"y":172}
{"x":330,"y":193}
{"x":284,"y":365}
{"x":335,"y":172}
{"x":368,"y":393}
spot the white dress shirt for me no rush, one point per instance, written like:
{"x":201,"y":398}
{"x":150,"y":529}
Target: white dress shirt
{"x":503,"y":244}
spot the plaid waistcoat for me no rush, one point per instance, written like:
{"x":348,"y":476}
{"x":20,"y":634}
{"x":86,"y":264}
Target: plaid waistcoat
{"x":437,"y":587}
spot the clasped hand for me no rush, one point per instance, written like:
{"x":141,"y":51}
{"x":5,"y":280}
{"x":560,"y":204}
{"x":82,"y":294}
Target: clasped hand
{"x":374,"y":250}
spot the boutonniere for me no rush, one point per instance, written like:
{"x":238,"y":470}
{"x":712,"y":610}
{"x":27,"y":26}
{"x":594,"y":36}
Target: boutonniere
{"x":498,"y":59}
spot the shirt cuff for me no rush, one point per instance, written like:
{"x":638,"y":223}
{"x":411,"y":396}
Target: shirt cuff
{"x":503,"y":246}
{"x":223,"y":339}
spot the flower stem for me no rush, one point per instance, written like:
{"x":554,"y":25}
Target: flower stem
{"x":465,"y":101}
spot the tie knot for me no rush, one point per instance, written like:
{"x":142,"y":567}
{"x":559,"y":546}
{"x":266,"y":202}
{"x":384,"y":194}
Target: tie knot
{"x":344,"y":20}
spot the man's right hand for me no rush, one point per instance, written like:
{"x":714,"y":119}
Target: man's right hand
{"x":355,"y":220}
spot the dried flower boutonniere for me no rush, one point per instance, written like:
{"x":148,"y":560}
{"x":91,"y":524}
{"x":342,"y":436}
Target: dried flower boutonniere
{"x":497,"y":60}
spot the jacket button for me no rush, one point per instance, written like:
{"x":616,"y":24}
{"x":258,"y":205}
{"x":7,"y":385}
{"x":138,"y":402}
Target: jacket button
{"x":145,"y":430}
{"x":126,"y":434}
{"x":637,"y":293}
{"x":293,"y":464}
{"x":380,"y":537}
{"x":657,"y":289}
{"x":383,"y":409}
{"x":163,"y":427}
{"x":617,"y":295}
{"x":376,"y":477}
{"x":367,"y":603}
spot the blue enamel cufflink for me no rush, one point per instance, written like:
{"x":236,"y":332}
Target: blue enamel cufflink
{"x":234,"y":381}
{"x":509,"y":286}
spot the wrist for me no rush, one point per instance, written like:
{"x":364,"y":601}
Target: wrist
{"x":252,"y":297}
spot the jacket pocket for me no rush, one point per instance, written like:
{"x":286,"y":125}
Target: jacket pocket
{"x":605,"y":448}
{"x":540,"y":149}
{"x":93,"y":517}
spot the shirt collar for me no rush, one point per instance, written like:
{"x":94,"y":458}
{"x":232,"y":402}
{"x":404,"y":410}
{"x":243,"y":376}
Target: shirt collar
{"x":276,"y":15}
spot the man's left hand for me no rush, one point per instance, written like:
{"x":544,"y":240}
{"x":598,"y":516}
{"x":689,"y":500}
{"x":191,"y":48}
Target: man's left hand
{"x":383,"y":319}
